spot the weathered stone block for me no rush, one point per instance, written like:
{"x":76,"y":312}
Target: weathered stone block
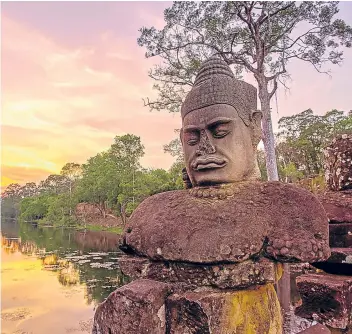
{"x":230,"y":224}
{"x":338,"y":163}
{"x":223,"y":276}
{"x":316,"y":329}
{"x":340,"y":235}
{"x":137,"y":307}
{"x":337,"y":205}
{"x":325,"y":298}
{"x":212,"y":311}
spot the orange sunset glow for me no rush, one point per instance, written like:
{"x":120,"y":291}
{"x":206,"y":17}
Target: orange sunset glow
{"x":73,"y":77}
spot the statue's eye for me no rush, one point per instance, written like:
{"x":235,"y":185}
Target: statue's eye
{"x":221,"y":130}
{"x":191,"y":138}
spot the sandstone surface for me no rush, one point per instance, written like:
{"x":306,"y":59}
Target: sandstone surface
{"x":222,"y":276}
{"x":230,"y":224}
{"x":212,"y":311}
{"x":326,"y":298}
{"x":137,"y":307}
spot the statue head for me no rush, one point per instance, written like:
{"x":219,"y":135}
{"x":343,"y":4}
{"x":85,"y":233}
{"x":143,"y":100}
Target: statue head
{"x":221,"y":127}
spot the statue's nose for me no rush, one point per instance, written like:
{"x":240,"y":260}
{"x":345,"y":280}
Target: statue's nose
{"x":205,"y":146}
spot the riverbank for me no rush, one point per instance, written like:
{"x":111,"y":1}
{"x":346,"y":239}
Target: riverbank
{"x":114,"y":229}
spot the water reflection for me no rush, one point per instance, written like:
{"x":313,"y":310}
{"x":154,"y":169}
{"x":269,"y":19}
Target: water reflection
{"x":78,"y":258}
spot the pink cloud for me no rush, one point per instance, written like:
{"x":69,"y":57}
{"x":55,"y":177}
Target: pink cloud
{"x":62,"y":104}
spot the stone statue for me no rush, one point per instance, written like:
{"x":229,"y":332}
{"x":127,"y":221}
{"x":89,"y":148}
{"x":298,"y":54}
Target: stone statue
{"x":237,"y":215}
{"x":220,"y":128}
{"x":225,"y":232}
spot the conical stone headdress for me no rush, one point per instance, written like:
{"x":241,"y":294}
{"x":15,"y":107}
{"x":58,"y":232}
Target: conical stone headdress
{"x":216,"y":84}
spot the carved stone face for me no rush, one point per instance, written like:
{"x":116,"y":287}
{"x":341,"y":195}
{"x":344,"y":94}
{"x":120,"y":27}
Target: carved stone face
{"x":217,"y":146}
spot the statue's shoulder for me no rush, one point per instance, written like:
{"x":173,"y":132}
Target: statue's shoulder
{"x":300,"y":231}
{"x":289,"y":194}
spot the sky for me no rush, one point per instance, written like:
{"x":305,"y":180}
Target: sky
{"x":73,"y":78}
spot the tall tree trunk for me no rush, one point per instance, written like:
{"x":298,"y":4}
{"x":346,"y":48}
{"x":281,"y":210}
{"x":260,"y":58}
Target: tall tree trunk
{"x":284,"y":284}
{"x":267,"y":127}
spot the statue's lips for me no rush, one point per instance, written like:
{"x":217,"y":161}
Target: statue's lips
{"x":208,"y":163}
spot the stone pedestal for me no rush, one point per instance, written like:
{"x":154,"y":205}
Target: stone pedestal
{"x":223,"y":276}
{"x":146,"y":306}
{"x":138,"y":307}
{"x":250,"y":311}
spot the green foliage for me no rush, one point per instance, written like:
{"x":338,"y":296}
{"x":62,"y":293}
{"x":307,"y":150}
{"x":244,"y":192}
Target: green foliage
{"x":291,"y":173}
{"x":60,"y":210}
{"x":302,"y":138}
{"x":111,"y":180}
{"x":71,"y":170}
{"x":98,"y":182}
{"x":54,"y":184}
{"x":176,"y":174}
{"x":35,"y":208}
{"x":9,"y":208}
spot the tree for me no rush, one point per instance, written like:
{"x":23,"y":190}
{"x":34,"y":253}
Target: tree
{"x":60,"y":209}
{"x":10,"y":200}
{"x":126,"y":151}
{"x":54,"y":184}
{"x":260,"y":37}
{"x":34,"y":208}
{"x":13,"y":190}
{"x":97,"y":182}
{"x":175,"y":148}
{"x":72,"y":171}
{"x":109,"y":178}
{"x":302,"y":138}
{"x":29,"y":189}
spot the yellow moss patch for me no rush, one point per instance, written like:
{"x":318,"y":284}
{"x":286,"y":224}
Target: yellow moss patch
{"x":279,"y":268}
{"x":252,"y":312}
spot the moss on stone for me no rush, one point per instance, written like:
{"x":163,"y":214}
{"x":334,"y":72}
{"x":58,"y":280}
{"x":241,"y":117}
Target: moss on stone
{"x":253,"y":311}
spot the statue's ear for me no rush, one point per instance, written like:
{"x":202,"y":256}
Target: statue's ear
{"x":256,"y":118}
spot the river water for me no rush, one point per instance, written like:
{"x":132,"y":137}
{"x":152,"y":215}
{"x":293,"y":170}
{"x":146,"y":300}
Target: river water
{"x":52,"y":278}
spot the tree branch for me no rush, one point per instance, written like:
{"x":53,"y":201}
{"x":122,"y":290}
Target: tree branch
{"x":275,"y":13}
{"x":274,"y":89}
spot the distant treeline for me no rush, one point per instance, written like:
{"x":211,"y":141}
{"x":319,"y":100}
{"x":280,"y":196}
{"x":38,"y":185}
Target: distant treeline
{"x":111,"y":181}
{"x":115,"y":181}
